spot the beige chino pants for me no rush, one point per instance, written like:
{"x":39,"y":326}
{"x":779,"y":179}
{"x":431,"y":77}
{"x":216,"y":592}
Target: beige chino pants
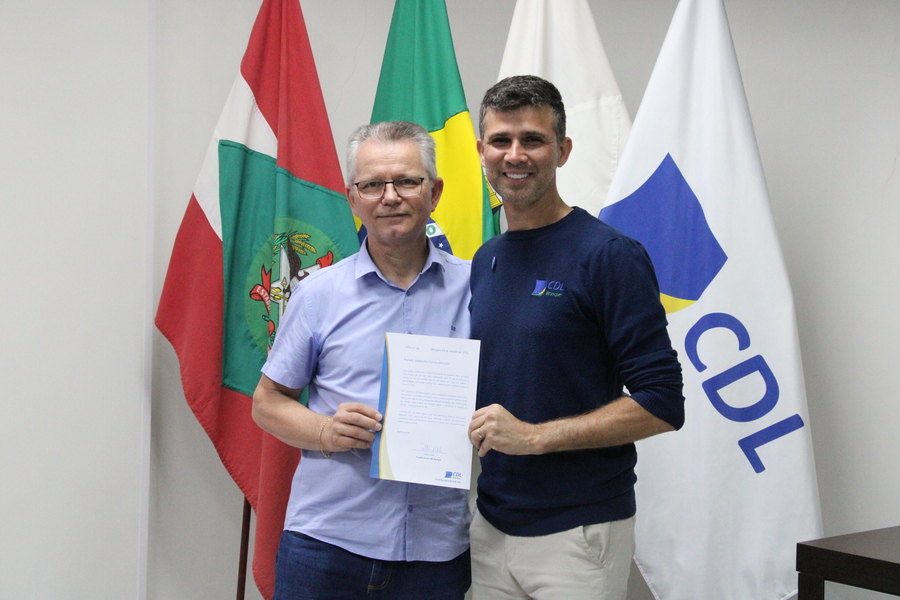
{"x":586,"y":563}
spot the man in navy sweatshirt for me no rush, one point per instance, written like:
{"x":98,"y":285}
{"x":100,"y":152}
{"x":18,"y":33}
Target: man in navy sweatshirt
{"x":576,"y":365}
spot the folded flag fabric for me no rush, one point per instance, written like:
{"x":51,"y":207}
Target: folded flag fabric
{"x":420,"y":82}
{"x":558,"y":40}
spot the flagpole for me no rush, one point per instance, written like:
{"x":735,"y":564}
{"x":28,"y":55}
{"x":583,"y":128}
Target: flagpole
{"x":245,"y":548}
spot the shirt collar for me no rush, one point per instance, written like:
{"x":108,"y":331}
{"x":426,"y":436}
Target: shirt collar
{"x":365,"y":264}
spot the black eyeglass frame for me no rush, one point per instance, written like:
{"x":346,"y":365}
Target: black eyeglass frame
{"x":384,"y":188}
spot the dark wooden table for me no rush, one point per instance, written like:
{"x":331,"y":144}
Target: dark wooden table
{"x":869,"y":560}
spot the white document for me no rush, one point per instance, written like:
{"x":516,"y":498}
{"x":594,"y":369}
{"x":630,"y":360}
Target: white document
{"x":428,"y":387}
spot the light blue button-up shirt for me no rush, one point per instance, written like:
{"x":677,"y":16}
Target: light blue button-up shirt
{"x":331,"y":341}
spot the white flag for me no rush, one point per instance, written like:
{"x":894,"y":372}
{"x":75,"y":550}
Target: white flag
{"x":558,"y":40}
{"x":723,"y":502}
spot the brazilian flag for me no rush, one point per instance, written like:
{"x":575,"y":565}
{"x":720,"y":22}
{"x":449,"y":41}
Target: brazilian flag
{"x":420,"y":82}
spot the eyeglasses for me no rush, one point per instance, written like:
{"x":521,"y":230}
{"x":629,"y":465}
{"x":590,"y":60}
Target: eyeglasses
{"x":374,"y":190}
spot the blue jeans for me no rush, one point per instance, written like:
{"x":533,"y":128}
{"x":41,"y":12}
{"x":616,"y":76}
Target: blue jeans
{"x":308,"y":569}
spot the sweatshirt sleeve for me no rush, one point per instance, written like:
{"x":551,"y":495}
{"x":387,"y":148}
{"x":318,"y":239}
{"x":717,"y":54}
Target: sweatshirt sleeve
{"x":626,"y":294}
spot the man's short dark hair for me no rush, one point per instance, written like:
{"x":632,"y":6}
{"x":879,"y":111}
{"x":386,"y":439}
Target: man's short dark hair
{"x":517,"y":91}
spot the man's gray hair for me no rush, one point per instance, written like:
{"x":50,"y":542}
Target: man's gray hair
{"x":518,"y":91}
{"x":393,"y":131}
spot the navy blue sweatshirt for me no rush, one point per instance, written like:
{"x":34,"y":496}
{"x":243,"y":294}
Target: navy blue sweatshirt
{"x":567,"y":314}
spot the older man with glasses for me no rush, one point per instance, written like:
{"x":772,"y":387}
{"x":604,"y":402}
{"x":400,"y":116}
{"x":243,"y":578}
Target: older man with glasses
{"x":348,"y":536}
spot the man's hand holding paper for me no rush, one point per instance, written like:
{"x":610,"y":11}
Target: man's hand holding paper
{"x":427,"y":398}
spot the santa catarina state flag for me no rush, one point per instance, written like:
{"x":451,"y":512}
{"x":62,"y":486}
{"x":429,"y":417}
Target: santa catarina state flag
{"x":268,"y":208}
{"x":420,"y":82}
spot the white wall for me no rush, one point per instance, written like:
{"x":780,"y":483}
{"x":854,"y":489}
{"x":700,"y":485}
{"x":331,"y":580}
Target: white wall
{"x":195,"y":508}
{"x":76,"y":299}
{"x":80,"y":154}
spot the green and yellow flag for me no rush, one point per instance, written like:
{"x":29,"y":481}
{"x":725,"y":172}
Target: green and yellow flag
{"x":420,"y":82}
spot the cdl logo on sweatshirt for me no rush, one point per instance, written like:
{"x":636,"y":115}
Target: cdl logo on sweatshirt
{"x":665,"y":216}
{"x":543,"y":287}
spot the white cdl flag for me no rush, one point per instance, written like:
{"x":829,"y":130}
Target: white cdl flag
{"x":558,"y":40}
{"x":723,"y":502}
